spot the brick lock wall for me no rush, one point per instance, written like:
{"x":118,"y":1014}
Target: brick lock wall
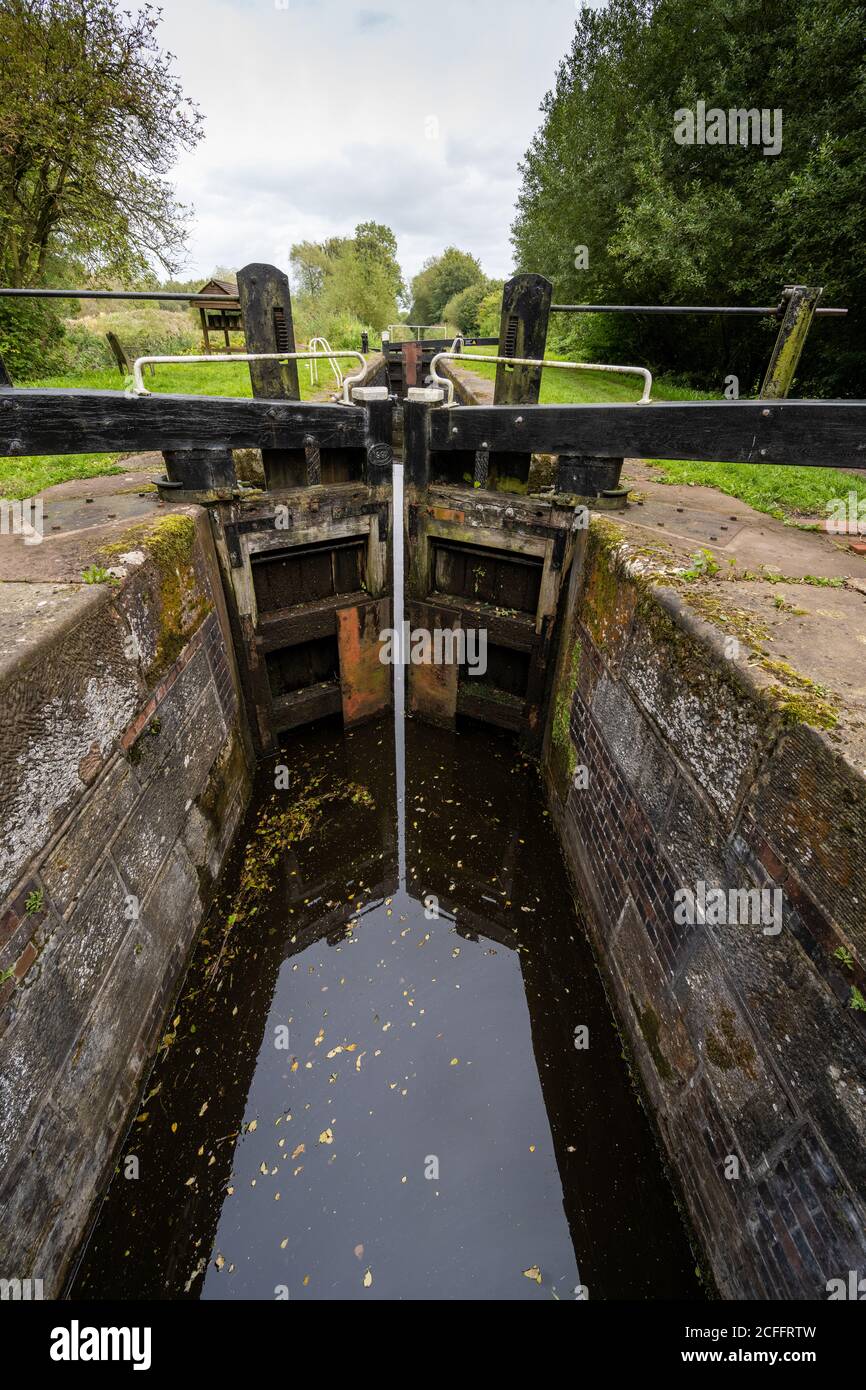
{"x":745,"y":1042}
{"x":97,"y":929}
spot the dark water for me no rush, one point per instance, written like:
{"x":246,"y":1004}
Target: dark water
{"x":430,"y":1131}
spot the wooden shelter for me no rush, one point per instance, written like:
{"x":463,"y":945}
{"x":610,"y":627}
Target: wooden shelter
{"x":222,"y":313}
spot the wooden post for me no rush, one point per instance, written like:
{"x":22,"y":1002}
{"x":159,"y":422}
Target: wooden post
{"x":412,"y":371}
{"x":266,"y":311}
{"x":207,"y":472}
{"x":526,"y":303}
{"x":800,"y":303}
{"x":585,"y":475}
{"x":119,"y":355}
{"x":204,"y":329}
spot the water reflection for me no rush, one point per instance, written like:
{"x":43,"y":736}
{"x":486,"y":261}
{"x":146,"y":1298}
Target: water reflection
{"x":361,"y":1096}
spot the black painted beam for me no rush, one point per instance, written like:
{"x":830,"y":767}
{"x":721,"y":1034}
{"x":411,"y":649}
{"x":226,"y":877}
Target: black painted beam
{"x":826,"y":434}
{"x":78,"y":422}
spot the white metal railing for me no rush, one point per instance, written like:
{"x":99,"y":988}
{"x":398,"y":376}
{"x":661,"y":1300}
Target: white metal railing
{"x":448,"y":384}
{"x":139,"y":389}
{"x":322,"y":344}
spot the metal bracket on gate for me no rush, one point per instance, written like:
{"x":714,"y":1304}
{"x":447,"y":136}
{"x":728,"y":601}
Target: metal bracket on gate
{"x":448,"y":384}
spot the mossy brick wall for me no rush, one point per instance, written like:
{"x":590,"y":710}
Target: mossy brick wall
{"x":746,"y":1043}
{"x":124,"y":775}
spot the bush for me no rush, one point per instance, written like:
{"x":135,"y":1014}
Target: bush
{"x":31,"y":331}
{"x":465,"y":309}
{"x":490,"y":313}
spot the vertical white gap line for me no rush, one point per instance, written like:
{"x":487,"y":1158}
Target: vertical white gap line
{"x":399,"y":669}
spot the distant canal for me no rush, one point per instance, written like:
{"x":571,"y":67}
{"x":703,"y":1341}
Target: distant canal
{"x":371,"y":1085}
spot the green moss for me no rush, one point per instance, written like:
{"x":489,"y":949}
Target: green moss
{"x":801,"y":700}
{"x":736,"y":621}
{"x":560,"y":730}
{"x":803,"y":709}
{"x":650,"y":1026}
{"x":170,"y":544}
{"x":730,"y":1050}
{"x":508,"y":484}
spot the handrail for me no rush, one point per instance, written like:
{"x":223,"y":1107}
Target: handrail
{"x":448,"y":384}
{"x":314,"y":366}
{"x":139,"y":389}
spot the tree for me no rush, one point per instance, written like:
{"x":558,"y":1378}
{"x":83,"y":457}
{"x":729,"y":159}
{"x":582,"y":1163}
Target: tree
{"x":464,"y":310}
{"x":705,"y":223}
{"x":312,"y":261}
{"x":92,"y":119}
{"x":358,"y":276}
{"x":440,"y":278}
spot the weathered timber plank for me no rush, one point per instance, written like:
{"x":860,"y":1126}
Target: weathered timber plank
{"x":504,"y":714}
{"x":78,"y":422}
{"x":303,"y":706}
{"x":365,"y":681}
{"x":826,"y":434}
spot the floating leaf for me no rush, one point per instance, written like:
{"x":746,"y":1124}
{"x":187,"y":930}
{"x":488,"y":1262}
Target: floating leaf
{"x":533,"y":1273}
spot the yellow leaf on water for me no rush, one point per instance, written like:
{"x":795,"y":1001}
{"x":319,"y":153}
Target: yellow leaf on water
{"x":203,"y":1109}
{"x":253,"y":1124}
{"x":302,"y":1148}
{"x":219,"y":1261}
{"x":533,"y":1273}
{"x":334,"y":1051}
{"x":284,"y":1243}
{"x":326,"y":1137}
{"x":455,"y":1061}
{"x":368,"y":1279}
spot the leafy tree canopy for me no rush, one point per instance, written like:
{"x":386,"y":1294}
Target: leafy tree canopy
{"x":357,"y":275}
{"x":440,"y":278}
{"x":92,"y":119}
{"x":705,"y":223}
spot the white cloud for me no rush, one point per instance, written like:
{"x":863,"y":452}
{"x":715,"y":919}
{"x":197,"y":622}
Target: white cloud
{"x":320,"y":115}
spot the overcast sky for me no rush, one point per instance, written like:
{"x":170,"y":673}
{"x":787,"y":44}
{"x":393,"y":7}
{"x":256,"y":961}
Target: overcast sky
{"x":325,"y":113}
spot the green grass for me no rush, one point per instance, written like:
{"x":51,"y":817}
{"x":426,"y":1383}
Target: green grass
{"x":783,"y":492}
{"x":563,"y":387}
{"x":27,"y":477}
